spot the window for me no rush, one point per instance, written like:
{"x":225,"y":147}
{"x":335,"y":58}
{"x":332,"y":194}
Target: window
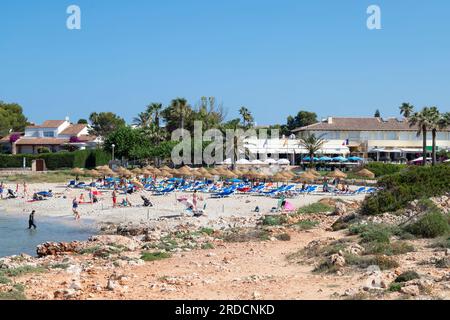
{"x":391,"y":135}
{"x":49,"y":134}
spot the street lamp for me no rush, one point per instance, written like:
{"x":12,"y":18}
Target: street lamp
{"x":113,"y":146}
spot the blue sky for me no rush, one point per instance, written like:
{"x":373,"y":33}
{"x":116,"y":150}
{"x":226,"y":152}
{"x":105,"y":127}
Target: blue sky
{"x":274,"y":57}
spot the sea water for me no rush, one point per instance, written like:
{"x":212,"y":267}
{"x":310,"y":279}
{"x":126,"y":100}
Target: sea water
{"x":15,"y":238}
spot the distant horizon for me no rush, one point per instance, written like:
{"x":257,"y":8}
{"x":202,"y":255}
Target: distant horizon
{"x":274,"y":59}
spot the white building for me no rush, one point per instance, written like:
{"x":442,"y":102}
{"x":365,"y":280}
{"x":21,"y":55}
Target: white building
{"x":55,"y":135}
{"x":380,"y":139}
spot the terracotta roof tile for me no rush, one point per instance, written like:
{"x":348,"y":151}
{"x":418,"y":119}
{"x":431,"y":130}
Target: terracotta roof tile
{"x":73,"y":129}
{"x":49,"y":124}
{"x":360,"y":124}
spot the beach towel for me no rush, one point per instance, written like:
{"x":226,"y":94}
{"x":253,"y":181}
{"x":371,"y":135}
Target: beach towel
{"x":289,"y":207}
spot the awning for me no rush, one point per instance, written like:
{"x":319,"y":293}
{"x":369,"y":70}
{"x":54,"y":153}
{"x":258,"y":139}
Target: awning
{"x":386,"y":150}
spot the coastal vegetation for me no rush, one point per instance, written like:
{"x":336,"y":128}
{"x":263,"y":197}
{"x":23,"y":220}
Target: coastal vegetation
{"x":59,"y":160}
{"x":398,"y":189}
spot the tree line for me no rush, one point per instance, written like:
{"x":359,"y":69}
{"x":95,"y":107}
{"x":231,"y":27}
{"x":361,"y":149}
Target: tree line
{"x":429,"y":119}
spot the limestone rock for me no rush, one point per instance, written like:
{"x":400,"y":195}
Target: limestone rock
{"x":337,"y":260}
{"x":340,"y":209}
{"x":412,"y":290}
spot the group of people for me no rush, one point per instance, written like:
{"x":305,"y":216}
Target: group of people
{"x":338,"y":186}
{"x":10,"y":193}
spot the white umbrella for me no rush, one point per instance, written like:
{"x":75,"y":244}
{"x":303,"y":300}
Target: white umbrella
{"x":242,"y":161}
{"x":227,"y":161}
{"x":257,"y":162}
{"x":270,"y":161}
{"x":421,"y":159}
{"x":284,"y":162}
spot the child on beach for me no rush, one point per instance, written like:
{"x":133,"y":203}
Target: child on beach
{"x":81,"y":198}
{"x":75,"y":209}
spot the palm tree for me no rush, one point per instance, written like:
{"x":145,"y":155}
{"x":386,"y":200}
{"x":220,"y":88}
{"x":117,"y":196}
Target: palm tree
{"x":182,"y":108}
{"x":407,"y":110}
{"x":246,"y":115}
{"x":312,"y":143}
{"x":444,"y":121}
{"x":142,"y":120}
{"x":154,"y":110}
{"x":434,"y":118}
{"x":422,"y":121}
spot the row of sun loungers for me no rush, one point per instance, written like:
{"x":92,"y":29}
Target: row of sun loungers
{"x":266,"y":190}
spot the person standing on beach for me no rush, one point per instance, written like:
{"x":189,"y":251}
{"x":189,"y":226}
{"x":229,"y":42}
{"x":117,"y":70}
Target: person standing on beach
{"x":1,"y":190}
{"x":25,"y":189}
{"x":195,"y":199}
{"x":114,"y":198}
{"x":75,"y":209}
{"x":31,"y":223}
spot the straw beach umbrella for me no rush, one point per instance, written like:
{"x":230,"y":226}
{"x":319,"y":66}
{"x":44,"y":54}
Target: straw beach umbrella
{"x":314,"y":172}
{"x":279,"y":177}
{"x":214,"y":172}
{"x":166,"y":174}
{"x":288,"y":174}
{"x":203,"y":170}
{"x":238,"y":173}
{"x":76,"y":172}
{"x":306,"y":177}
{"x":94,"y":173}
{"x":207,"y":175}
{"x":366,"y":173}
{"x":337,"y":174}
{"x":137,"y":171}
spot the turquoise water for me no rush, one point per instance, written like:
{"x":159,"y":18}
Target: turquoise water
{"x":15,"y":238}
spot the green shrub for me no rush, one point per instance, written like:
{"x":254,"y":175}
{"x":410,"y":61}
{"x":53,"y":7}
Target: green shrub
{"x":4,"y":280}
{"x":389,"y":249}
{"x":207,"y":231}
{"x":60,"y":160}
{"x":284,"y":237}
{"x":383,"y":262}
{"x":13,"y":295}
{"x":344,"y":222}
{"x":395,"y":287}
{"x":307,"y":224}
{"x":431,"y":225}
{"x":246,"y":235}
{"x":207,"y":245}
{"x":274,"y":220}
{"x":443,"y":263}
{"x":407,"y":185}
{"x":407,"y":276}
{"x":20,"y":271}
{"x":41,"y":150}
{"x":372,"y":232}
{"x":315,"y":208}
{"x":382,"y":169}
{"x":326,"y":267}
{"x":153,"y":256}
{"x":443,"y":243}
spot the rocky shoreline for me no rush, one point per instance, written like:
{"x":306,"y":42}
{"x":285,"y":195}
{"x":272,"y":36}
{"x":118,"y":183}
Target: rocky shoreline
{"x":185,"y":259}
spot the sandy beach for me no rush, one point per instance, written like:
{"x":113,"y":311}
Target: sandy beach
{"x":166,"y":209}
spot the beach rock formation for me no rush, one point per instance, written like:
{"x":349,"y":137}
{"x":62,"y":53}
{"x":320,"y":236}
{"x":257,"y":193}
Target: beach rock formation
{"x":129,"y":244}
{"x":57,"y":248}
